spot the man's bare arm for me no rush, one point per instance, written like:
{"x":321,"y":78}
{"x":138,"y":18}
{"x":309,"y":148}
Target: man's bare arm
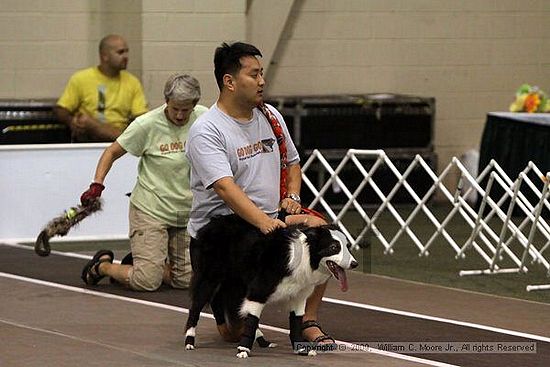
{"x":239,"y":202}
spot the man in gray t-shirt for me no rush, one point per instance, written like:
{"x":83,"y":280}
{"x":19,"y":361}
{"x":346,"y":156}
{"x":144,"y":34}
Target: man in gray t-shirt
{"x":222,"y":147}
{"x":236,"y":163}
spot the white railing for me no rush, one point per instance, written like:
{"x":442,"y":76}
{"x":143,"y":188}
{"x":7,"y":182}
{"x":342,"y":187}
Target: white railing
{"x":501,"y":237}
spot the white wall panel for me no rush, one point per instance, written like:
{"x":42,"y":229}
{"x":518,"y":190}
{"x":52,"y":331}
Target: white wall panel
{"x":38,"y":182}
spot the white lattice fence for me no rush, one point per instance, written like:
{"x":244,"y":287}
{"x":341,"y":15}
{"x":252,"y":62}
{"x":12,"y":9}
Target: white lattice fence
{"x":503,"y":241}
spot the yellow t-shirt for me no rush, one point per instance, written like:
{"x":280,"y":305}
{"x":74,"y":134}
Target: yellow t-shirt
{"x":112,"y":100}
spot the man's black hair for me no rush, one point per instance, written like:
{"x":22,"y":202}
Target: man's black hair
{"x":227,"y":59}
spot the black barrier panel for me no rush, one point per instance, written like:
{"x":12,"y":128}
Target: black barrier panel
{"x":30,"y":122}
{"x":377,"y":121}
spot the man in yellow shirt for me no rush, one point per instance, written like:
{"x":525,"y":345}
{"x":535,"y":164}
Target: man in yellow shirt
{"x":99,"y":102}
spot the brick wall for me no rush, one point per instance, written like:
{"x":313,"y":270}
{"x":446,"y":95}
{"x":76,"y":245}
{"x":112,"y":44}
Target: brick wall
{"x":43,"y":42}
{"x":470,"y":55}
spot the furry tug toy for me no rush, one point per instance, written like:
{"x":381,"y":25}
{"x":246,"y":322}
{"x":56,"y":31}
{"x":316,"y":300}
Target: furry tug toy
{"x":60,"y":225}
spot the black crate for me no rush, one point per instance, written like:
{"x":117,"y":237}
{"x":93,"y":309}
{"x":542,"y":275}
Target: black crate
{"x":30,"y":122}
{"x":385,"y":179}
{"x":372,"y":121}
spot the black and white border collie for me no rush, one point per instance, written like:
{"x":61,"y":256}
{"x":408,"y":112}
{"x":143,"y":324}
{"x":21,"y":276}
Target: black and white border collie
{"x":235,"y":262}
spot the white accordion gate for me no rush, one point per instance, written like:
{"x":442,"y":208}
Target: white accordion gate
{"x":509,"y":241}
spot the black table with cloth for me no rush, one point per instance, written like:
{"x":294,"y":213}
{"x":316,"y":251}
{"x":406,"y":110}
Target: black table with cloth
{"x":512,"y":140}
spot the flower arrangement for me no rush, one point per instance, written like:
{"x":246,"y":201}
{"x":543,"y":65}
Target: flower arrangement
{"x":530,"y":99}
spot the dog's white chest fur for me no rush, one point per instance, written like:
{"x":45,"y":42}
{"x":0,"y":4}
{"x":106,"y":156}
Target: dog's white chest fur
{"x":302,"y":278}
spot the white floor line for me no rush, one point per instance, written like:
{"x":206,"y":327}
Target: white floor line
{"x":439,"y":319}
{"x":468,"y":291}
{"x":62,"y":253}
{"x":203,"y":314}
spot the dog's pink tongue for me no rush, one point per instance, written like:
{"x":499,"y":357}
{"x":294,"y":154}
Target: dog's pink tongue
{"x":343,"y":279}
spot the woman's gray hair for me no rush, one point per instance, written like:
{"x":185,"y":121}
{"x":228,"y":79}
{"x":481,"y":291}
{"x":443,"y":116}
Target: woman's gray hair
{"x":182,"y":88}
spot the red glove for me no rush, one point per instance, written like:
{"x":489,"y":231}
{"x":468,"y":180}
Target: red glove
{"x":93,"y":193}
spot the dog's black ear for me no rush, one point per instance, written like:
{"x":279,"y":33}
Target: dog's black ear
{"x":312,"y":233}
{"x":331,"y":226}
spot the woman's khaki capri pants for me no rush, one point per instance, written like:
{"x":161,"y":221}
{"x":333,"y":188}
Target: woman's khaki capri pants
{"x":154,"y":244}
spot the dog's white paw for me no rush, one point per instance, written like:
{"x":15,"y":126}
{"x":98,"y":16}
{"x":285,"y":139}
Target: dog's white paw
{"x":189,"y":347}
{"x":312,"y":353}
{"x":242,"y":355}
{"x":243,"y":352}
{"x":273,"y":345}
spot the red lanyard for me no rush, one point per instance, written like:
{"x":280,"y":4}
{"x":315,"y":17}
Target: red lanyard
{"x":279,"y":135}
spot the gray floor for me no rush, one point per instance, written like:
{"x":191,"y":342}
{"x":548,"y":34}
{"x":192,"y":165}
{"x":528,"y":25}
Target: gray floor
{"x":44,"y":326}
{"x":48,"y":318}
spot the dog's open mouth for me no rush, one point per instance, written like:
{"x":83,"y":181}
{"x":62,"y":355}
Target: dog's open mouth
{"x":339,"y":274}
